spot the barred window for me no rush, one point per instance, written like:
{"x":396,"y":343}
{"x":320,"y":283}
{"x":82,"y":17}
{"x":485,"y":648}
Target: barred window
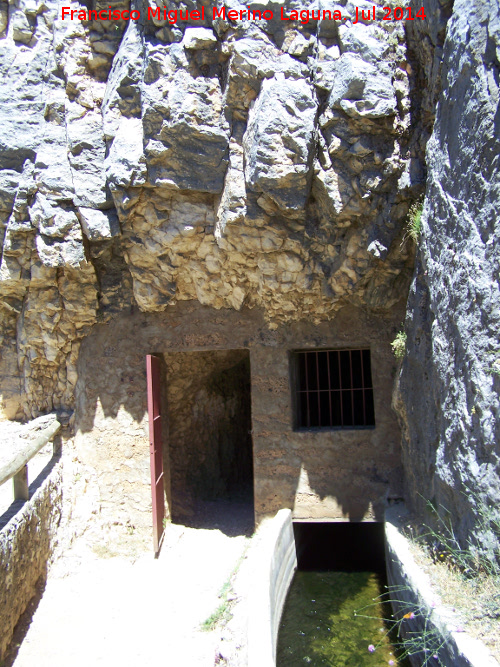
{"x":333,"y":389}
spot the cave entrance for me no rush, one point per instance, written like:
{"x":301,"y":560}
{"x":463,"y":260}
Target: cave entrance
{"x":210,"y":441}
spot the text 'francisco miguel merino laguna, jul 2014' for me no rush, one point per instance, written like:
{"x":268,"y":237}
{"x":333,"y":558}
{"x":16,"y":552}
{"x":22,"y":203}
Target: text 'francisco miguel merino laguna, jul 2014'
{"x":173,"y":16}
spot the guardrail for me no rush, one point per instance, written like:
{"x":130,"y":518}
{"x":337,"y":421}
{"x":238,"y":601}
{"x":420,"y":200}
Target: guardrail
{"x":28,"y":534}
{"x":17,"y":467}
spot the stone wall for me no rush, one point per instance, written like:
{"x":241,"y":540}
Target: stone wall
{"x":111,"y":440}
{"x":27,"y":544}
{"x":448,"y":393}
{"x":332,"y":474}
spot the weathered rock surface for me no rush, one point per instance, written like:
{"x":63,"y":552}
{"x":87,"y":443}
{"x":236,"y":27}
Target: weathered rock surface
{"x":360,"y":89}
{"x":145,"y":163}
{"x":279,"y":141}
{"x":449,"y":383}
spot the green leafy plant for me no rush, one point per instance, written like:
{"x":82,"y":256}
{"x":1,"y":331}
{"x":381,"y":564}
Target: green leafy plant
{"x":414,"y":222}
{"x":393,"y":40}
{"x":220,"y":616}
{"x":399,"y":345}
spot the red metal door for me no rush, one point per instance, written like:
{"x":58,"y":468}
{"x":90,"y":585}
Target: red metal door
{"x":155,"y":448}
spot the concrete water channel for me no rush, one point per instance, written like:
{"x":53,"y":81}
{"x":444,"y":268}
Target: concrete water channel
{"x":330,"y":618}
{"x":334,"y":614}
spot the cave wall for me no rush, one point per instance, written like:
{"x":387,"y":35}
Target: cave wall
{"x":254,"y":165}
{"x":448,"y":390}
{"x":236,"y":163}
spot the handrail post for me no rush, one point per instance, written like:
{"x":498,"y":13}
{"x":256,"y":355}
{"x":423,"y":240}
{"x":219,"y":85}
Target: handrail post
{"x":16,"y":467}
{"x":21,"y":488}
{"x":57,"y":445}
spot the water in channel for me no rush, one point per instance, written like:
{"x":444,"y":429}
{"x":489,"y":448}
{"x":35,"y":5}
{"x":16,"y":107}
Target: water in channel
{"x":319,"y":627}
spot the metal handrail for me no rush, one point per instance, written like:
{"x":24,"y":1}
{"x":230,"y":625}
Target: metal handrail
{"x":17,"y":467}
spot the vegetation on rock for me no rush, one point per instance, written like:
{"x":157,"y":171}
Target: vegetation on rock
{"x":399,"y":345}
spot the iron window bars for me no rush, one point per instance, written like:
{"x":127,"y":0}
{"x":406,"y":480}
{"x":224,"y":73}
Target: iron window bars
{"x":333,"y":389}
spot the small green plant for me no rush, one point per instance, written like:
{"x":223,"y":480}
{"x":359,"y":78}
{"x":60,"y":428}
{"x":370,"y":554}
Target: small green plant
{"x":414,"y":222}
{"x":399,"y":345}
{"x":495,"y":367}
{"x":469,"y":562}
{"x":393,"y":40}
{"x":223,"y":612}
{"x":220,"y":616}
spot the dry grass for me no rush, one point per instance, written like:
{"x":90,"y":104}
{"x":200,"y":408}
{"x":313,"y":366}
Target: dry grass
{"x":476,"y":600}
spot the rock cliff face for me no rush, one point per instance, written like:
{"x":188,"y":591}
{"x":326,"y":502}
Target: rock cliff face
{"x":238,"y":163}
{"x":449,"y":383}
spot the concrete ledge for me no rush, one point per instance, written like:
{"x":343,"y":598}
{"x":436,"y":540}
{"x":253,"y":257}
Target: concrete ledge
{"x":276,"y":563}
{"x":461,"y":650}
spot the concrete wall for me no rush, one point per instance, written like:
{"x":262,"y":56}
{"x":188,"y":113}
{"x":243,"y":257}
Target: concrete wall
{"x":413,"y":589}
{"x":332,"y":474}
{"x":276,"y":565}
{"x":26,"y":545}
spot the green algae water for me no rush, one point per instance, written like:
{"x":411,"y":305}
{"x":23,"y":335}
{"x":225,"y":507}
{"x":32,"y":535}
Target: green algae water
{"x":319,"y":627}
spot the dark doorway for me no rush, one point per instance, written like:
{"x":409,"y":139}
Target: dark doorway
{"x":340,"y":546}
{"x":209,"y":436}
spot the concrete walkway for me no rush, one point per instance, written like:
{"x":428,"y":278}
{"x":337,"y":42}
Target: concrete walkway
{"x":121,"y":614}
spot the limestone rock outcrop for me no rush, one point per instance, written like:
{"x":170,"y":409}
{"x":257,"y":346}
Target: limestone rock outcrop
{"x":257,"y":163}
{"x":448,"y":393}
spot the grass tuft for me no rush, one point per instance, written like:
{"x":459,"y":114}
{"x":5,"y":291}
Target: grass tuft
{"x":223,"y":614}
{"x":414,"y":222}
{"x":495,"y":366}
{"x":469,"y":561}
{"x":467,"y":578}
{"x":220,"y":616}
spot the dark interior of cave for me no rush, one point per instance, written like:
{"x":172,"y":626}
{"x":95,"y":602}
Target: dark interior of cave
{"x":209,"y":434}
{"x":340,"y":546}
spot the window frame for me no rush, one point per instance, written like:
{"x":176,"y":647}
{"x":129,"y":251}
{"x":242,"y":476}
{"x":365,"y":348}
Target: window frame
{"x":294,"y":357}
